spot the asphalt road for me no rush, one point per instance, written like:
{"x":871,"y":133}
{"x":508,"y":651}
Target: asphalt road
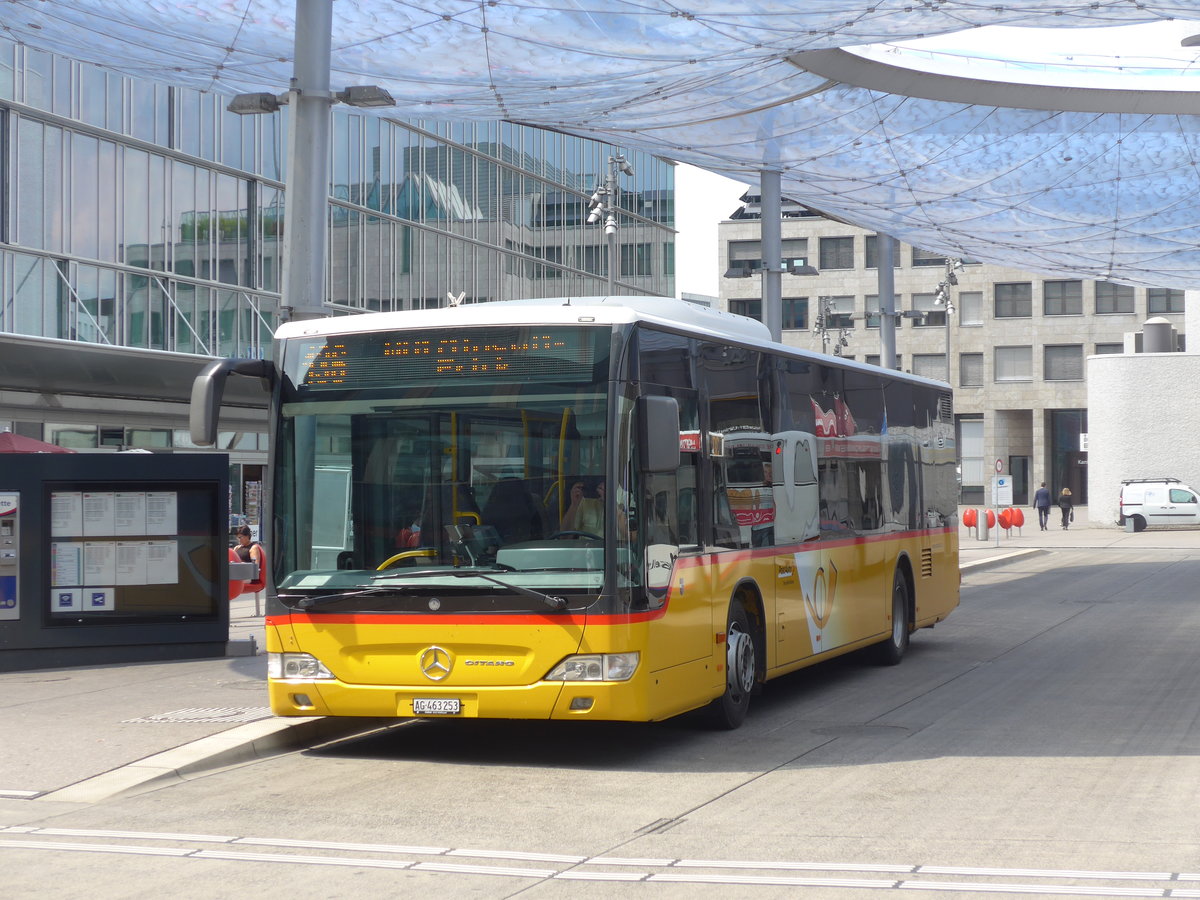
{"x":1043,"y":740}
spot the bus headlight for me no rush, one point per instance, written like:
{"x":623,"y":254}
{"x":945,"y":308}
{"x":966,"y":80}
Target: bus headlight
{"x":596,"y":667}
{"x":296,"y":667}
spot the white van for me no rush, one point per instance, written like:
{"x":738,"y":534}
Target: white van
{"x":1157,"y":501}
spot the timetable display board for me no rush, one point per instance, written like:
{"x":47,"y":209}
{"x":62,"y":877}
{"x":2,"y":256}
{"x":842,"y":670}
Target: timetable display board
{"x":126,"y":552}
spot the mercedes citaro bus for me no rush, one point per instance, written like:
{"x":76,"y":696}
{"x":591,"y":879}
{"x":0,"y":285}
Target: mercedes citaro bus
{"x":755,"y":509}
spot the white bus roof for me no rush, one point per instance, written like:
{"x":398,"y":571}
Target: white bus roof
{"x":615,"y":310}
{"x":551,"y":310}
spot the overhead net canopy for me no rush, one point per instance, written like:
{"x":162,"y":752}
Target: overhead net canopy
{"x":1094,"y":182}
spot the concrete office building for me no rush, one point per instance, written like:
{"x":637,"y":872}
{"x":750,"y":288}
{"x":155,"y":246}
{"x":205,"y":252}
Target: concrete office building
{"x":1014,"y":347}
{"x":140,"y":235}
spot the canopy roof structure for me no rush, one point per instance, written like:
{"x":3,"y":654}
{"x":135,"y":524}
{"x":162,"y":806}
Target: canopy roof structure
{"x":1083,"y":176}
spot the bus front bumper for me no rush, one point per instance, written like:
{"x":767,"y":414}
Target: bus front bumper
{"x":599,"y":700}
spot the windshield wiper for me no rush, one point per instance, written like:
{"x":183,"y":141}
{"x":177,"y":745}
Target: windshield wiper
{"x":550,"y":600}
{"x":308,"y":601}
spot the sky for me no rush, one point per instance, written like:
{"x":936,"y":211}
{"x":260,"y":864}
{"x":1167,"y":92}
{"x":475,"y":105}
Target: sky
{"x":702,"y":199}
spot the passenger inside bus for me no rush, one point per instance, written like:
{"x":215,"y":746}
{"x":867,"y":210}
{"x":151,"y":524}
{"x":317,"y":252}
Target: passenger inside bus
{"x":585,"y":512}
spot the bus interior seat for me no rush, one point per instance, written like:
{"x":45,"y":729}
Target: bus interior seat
{"x":513,"y":512}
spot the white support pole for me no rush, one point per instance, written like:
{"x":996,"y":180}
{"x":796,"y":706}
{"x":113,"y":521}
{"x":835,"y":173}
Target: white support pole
{"x":772,"y":253}
{"x":307,"y":199}
{"x":886,"y":245}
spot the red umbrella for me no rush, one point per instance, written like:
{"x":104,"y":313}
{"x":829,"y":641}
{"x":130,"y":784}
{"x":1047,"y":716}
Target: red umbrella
{"x":16,"y":443}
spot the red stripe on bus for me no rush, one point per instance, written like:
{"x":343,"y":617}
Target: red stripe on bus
{"x":525,"y":618}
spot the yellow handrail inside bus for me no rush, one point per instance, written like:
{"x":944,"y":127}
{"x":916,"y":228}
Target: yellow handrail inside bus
{"x":406,"y":554}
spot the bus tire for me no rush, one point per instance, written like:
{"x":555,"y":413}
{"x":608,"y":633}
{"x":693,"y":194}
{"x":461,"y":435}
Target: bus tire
{"x":728,"y":711}
{"x":892,"y":650}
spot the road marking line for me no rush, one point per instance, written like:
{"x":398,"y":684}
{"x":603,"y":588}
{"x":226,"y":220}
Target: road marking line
{"x":1043,"y":873}
{"x":576,"y":875}
{"x":806,"y":866}
{"x":139,"y":835}
{"x":515,"y":854}
{"x":647,"y":865}
{"x":790,"y":881}
{"x":98,"y":848}
{"x":306,"y":860}
{"x":630,"y":861}
{"x":340,"y":845}
{"x":1001,"y":888}
{"x":485,"y":870}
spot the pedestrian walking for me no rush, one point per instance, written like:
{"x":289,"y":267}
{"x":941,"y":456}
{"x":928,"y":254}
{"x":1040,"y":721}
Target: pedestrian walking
{"x":1067,"y":506}
{"x":1041,"y":502}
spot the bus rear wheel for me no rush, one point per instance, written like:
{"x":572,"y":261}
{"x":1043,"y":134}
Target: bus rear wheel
{"x":893,"y":649}
{"x":741,"y":668}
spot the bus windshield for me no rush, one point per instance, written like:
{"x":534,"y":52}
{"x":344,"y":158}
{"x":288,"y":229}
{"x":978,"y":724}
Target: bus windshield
{"x":406,"y":479}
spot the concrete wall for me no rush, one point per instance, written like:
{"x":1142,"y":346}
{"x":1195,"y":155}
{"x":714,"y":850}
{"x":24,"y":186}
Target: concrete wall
{"x":1143,"y":421}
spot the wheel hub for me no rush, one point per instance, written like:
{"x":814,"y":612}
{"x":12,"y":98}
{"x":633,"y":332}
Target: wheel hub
{"x":740,"y":661}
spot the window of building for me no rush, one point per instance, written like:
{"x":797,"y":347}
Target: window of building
{"x":872,"y":309}
{"x":745,"y":256}
{"x":970,"y":308}
{"x":924,"y":258}
{"x":594,"y":259}
{"x":839,"y":311}
{"x":668,"y":259}
{"x":1102,"y":349}
{"x":930,"y":365}
{"x":1062,"y":298}
{"x":635,"y":260}
{"x":750,"y":308}
{"x":970,"y":369}
{"x":1064,"y":362}
{"x":794,"y":250}
{"x":1014,"y":364}
{"x":795,"y":312}
{"x":77,"y":437}
{"x":1014,"y":300}
{"x":971,"y":458}
{"x":1164,"y":300}
{"x":1113,"y":298}
{"x":872,"y":253}
{"x":837,"y":253}
{"x":933,"y":314}
{"x":873,"y":359}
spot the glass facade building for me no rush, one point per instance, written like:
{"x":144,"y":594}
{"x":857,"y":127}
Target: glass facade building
{"x":139,"y":215}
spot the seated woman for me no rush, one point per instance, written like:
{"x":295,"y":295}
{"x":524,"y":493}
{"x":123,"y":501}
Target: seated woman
{"x":585,"y":513}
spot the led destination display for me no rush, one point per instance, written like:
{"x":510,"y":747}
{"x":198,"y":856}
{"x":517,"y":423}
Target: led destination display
{"x":380,"y":359}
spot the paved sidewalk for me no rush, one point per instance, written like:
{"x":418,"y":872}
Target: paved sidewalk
{"x":1082,"y":533}
{"x":85,"y":734}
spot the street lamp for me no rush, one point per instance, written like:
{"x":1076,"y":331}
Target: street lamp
{"x":822,"y":326}
{"x":603,"y":205}
{"x":364,"y":96}
{"x":942,"y":298}
{"x":306,"y":200}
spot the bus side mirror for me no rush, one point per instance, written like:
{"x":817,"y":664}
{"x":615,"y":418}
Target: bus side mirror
{"x":658,"y":433}
{"x":209,"y":387}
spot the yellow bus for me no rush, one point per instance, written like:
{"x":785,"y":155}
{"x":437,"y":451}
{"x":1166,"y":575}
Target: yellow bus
{"x":524,"y":510}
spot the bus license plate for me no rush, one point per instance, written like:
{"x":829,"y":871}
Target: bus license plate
{"x":436,"y":706}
